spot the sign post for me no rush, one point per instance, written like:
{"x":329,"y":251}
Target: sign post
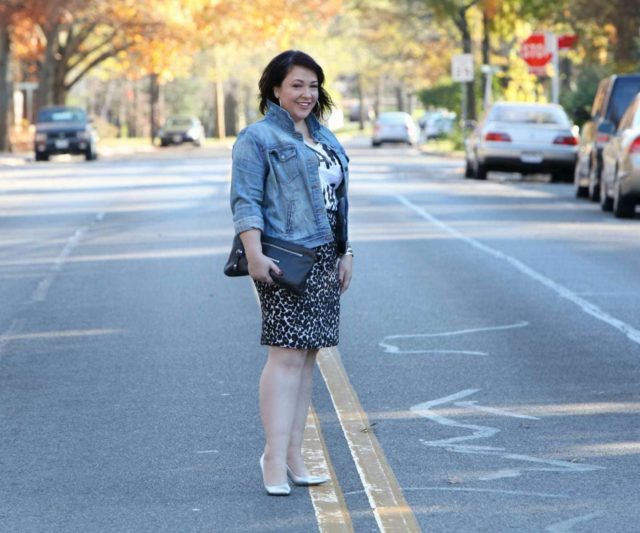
{"x":551,"y":42}
{"x":462,"y":71}
{"x":540,"y":48}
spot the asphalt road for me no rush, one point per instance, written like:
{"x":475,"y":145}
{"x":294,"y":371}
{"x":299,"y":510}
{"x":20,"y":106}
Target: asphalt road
{"x":491,"y":335}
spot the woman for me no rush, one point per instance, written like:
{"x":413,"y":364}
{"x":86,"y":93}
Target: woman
{"x":289,"y":181}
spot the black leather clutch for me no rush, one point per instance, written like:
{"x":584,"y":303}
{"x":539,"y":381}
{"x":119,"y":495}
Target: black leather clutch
{"x":295,"y":262}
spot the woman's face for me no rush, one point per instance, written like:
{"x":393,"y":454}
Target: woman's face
{"x":298,"y":93}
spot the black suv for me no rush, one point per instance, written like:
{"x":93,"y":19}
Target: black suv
{"x":64,"y":130}
{"x":612,"y":99}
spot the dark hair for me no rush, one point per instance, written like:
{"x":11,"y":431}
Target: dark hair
{"x":276,"y":71}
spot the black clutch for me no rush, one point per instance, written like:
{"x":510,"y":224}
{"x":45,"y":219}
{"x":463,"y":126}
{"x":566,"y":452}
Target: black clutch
{"x":295,"y":262}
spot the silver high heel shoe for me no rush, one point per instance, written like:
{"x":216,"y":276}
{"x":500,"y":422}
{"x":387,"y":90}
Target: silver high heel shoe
{"x":306,"y":481}
{"x":274,"y":490}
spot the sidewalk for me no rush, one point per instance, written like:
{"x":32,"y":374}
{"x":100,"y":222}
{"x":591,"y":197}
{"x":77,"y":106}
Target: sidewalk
{"x":14,"y":159}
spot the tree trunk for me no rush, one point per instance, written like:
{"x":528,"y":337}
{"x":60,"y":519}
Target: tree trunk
{"x":220,"y":129}
{"x":230,"y":112}
{"x":463,"y":26}
{"x":44,"y":94}
{"x":58,"y":89}
{"x":154,"y":93}
{"x":362,"y":114}
{"x":5,"y":87}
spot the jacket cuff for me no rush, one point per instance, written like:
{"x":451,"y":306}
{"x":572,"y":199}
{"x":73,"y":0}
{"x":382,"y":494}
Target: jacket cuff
{"x":245,"y":224}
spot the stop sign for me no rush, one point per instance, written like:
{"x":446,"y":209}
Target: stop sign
{"x":534,"y":50}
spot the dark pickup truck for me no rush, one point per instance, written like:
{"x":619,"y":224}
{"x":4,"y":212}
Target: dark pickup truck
{"x":64,"y":130}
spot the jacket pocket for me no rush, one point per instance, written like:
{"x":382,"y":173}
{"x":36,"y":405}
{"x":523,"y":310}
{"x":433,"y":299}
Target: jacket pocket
{"x":285,"y":163}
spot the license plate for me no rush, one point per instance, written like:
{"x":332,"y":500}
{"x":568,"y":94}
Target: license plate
{"x":177,"y":138}
{"x":531,"y":157}
{"x":61,"y":144}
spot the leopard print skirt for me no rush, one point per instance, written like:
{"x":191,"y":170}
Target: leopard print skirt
{"x":309,"y":321}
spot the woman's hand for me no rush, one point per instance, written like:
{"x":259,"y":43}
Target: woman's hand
{"x":260,"y":266}
{"x":345,"y":268}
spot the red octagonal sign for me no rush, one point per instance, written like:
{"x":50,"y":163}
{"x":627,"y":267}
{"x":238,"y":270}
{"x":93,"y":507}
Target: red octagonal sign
{"x":534,"y":50}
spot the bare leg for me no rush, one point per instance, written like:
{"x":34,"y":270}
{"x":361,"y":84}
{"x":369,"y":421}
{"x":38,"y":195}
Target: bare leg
{"x":294,"y":452}
{"x":279,"y":391}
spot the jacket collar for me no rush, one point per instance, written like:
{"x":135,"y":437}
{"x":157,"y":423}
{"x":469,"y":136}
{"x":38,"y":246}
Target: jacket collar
{"x":281,"y":116}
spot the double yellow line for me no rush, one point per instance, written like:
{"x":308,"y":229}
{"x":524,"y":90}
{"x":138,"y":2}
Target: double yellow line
{"x":390,"y":509}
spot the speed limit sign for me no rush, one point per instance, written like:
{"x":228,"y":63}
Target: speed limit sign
{"x":462,"y":67}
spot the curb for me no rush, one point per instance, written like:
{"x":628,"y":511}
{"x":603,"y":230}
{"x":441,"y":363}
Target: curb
{"x":15,"y":159}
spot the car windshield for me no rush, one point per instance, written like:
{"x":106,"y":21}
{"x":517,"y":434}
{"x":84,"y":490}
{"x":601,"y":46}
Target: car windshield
{"x":392,"y":118}
{"x":180,"y":122}
{"x":61,"y":115}
{"x":528,"y":115}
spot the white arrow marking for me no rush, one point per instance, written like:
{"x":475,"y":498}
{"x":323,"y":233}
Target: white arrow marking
{"x":394,"y":348}
{"x":458,"y":444}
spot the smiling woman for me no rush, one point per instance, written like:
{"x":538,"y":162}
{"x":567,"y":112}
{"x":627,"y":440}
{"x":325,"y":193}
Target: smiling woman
{"x":289,"y":182}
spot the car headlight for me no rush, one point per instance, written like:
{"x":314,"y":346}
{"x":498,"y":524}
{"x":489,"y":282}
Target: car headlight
{"x":84,"y":135}
{"x":41,"y":137}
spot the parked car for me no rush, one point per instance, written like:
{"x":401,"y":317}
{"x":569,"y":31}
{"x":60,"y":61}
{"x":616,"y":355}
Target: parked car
{"x":181,"y":129}
{"x":620,"y":183}
{"x":522,"y":137}
{"x":64,"y":130}
{"x":394,"y":126}
{"x":436,"y":124}
{"x":610,"y":102}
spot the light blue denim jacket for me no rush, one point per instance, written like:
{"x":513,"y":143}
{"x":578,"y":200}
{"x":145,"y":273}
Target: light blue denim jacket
{"x":275,"y":186}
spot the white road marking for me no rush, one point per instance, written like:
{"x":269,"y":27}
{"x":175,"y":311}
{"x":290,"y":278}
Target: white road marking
{"x":40,"y":293}
{"x":567,"y":525}
{"x":395,"y":349}
{"x":459,"y":444}
{"x":589,"y":308}
{"x":493,"y":410}
{"x":9,"y":334}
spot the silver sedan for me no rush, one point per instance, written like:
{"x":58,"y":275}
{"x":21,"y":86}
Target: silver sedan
{"x":394,"y":126}
{"x":620,"y":190}
{"x":523,"y":137}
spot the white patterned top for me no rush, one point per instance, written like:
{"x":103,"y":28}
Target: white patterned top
{"x":330,"y":172}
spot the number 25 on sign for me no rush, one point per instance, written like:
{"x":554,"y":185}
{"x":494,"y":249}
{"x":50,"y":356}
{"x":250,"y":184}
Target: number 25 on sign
{"x":462,"y":67}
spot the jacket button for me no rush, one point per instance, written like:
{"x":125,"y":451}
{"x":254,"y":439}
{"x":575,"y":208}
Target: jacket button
{"x":281,"y":158}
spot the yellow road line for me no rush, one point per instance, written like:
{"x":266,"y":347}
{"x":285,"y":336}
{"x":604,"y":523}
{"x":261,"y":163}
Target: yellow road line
{"x":332,"y":513}
{"x":391,"y":511}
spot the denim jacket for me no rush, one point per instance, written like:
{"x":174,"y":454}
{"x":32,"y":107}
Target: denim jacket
{"x":275,"y":186}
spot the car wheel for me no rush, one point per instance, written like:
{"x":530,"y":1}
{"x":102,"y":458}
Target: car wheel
{"x":557,"y":177}
{"x":468,"y":169}
{"x":606,"y":202}
{"x":481,"y":171}
{"x":581,"y":192}
{"x":623,"y":206}
{"x":42,"y":156}
{"x":90,"y":154}
{"x":376,"y":144}
{"x":164,"y":143}
{"x":594,"y":185}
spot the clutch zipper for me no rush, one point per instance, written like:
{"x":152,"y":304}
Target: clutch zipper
{"x":282,"y":249}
